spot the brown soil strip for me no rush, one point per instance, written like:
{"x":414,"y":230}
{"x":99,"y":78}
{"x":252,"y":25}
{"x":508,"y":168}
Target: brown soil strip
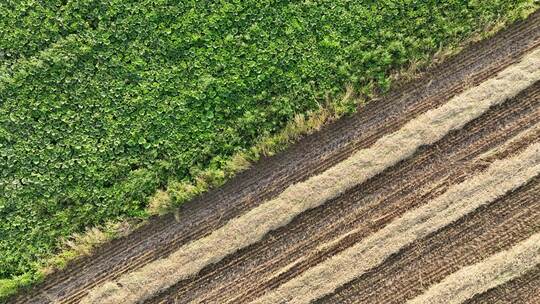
{"x":312,"y":155}
{"x":489,"y":273}
{"x":522,"y":139}
{"x":372,"y":205}
{"x":523,"y":290}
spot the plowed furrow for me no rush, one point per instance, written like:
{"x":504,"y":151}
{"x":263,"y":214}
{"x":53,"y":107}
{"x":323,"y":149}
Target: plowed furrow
{"x":500,"y":178}
{"x":486,"y":274}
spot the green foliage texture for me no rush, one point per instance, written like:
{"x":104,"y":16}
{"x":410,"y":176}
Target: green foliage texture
{"x":103,"y":102}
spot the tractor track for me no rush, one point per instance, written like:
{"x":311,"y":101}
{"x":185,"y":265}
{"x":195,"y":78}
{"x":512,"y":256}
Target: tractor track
{"x":488,"y":230}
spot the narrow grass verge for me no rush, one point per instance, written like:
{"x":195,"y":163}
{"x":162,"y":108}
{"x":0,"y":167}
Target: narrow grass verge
{"x":364,"y":164}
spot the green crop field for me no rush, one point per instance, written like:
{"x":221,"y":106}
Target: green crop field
{"x":104,"y":102}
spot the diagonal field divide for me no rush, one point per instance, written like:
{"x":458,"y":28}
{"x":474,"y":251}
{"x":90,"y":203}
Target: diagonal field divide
{"x":364,"y":164}
{"x":311,"y":156}
{"x":290,"y":250}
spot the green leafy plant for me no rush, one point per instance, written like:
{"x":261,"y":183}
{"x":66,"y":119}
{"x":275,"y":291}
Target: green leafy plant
{"x":102,"y":103}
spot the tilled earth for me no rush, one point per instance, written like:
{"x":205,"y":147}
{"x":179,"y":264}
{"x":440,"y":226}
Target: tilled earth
{"x":315,"y":235}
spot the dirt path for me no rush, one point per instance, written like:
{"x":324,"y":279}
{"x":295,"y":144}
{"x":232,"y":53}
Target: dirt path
{"x":287,"y":252}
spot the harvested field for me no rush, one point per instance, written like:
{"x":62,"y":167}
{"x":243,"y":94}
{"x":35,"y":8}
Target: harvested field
{"x":489,"y":273}
{"x":398,"y":203}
